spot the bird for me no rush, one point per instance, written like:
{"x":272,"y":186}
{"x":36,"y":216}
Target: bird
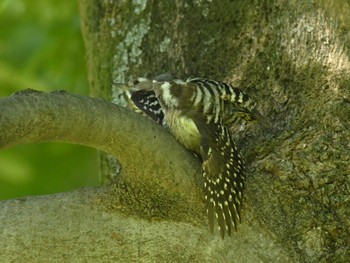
{"x":199,"y":113}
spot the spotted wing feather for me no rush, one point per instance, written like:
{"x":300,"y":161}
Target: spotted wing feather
{"x":223,"y":173}
{"x":148,"y":103}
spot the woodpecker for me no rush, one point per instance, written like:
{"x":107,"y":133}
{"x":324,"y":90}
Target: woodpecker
{"x":199,"y":113}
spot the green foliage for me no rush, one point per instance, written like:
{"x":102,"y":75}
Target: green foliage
{"x":41,"y":48}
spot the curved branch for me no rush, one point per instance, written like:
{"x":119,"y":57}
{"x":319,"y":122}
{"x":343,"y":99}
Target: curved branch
{"x":151,"y":158}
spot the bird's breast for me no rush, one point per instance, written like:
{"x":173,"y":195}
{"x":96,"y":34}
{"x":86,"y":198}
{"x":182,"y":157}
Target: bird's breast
{"x":184,"y":130}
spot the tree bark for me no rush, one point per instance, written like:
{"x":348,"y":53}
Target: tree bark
{"x":293,"y":58}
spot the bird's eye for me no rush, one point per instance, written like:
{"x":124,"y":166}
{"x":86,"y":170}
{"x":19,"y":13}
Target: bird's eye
{"x":136,"y":82}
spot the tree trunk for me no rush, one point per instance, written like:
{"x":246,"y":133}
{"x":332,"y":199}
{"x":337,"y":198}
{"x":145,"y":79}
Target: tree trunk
{"x":290,"y":56}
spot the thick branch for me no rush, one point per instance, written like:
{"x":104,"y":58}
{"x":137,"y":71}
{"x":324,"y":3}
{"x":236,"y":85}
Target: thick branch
{"x":76,"y":222}
{"x":146,"y":152}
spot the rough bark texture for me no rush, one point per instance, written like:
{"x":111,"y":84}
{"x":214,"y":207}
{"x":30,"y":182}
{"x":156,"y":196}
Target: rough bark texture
{"x":293,"y":58}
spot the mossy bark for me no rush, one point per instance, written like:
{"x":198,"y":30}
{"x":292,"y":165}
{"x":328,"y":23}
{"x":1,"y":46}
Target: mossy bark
{"x":293,"y":58}
{"x":290,"y":56}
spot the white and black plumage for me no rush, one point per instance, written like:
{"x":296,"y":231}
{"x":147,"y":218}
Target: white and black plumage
{"x":199,"y":113}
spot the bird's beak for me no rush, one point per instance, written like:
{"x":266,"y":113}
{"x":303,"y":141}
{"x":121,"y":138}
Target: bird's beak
{"x":122,"y":86}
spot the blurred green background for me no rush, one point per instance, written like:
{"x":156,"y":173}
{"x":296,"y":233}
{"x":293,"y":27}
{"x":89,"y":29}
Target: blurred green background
{"x":41,"y":47}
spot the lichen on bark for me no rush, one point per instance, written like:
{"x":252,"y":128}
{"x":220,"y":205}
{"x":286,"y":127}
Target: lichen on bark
{"x":293,"y":58}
